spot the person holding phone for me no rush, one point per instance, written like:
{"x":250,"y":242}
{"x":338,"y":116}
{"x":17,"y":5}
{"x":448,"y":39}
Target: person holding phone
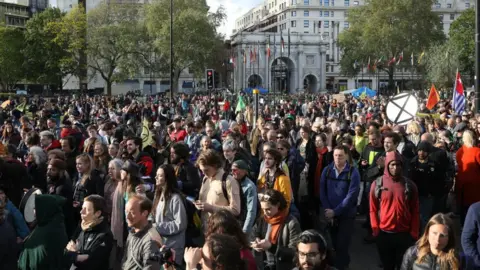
{"x":168,"y":211}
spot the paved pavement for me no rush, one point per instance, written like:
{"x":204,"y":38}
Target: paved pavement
{"x":363,"y":256}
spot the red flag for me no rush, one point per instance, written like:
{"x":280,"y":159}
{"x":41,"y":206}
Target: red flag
{"x":433,"y":98}
{"x":458,"y":84}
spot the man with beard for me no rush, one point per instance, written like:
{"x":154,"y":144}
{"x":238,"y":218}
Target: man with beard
{"x":312,"y":252}
{"x":58,"y":183}
{"x":187,"y":175}
{"x":134,"y":146}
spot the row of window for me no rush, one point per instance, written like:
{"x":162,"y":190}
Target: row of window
{"x":324,"y":13}
{"x":449,"y":5}
{"x":452,"y":16}
{"x":324,"y":24}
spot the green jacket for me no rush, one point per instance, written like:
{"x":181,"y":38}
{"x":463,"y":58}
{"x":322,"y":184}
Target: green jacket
{"x":43,"y":249}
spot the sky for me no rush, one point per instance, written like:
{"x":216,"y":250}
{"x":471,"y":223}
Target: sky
{"x":234,"y":9}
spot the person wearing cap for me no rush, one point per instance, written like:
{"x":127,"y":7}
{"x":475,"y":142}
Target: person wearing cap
{"x":178,"y":134}
{"x":423,"y":172}
{"x":240,"y":171}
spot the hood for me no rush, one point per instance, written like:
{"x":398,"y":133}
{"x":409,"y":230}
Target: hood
{"x":389,"y":157}
{"x":48,"y":207}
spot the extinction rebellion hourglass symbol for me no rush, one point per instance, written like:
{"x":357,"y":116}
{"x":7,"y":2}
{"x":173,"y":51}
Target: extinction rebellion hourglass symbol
{"x":402,"y":108}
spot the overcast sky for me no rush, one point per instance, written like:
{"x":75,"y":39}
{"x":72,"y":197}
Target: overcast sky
{"x":234,"y":9}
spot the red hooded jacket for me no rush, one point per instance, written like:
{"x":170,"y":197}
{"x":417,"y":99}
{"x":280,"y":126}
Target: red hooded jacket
{"x":397,"y":212}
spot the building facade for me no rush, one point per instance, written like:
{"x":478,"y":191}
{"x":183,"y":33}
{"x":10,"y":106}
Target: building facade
{"x":327,"y":19}
{"x":14,"y":12}
{"x":288,"y":68}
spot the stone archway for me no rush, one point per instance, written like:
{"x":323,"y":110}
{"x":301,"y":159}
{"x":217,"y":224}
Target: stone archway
{"x":282,"y":75}
{"x":310,"y":83}
{"x":255,"y":80}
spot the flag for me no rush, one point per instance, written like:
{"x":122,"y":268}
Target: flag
{"x":412,"y":60}
{"x":240,"y":104}
{"x":232,"y":61}
{"x":268,"y":48}
{"x":433,"y":98}
{"x":368,"y":66}
{"x":355,"y":65}
{"x":274,"y":45}
{"x":288,"y":42}
{"x":420,"y":57}
{"x":254,"y":53}
{"x":392,"y":61}
{"x":251,"y":54}
{"x":400,"y":58}
{"x":458,"y":95}
{"x":282,"y":42}
{"x":258,"y":50}
{"x":146,"y":135}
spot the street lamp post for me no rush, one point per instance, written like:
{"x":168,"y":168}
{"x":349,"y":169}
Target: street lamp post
{"x":171,"y":51}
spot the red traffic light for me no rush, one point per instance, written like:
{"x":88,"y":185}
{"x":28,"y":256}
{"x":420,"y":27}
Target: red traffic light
{"x":209,"y":73}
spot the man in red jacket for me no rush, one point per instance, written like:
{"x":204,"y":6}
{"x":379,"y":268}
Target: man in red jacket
{"x":394,"y":212}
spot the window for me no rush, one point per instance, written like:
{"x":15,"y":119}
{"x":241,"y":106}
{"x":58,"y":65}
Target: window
{"x":346,"y":25}
{"x":332,"y":3}
{"x":306,"y":13}
{"x":326,"y":13}
{"x":306,"y":23}
{"x":441,"y":17}
{"x":326,"y":24}
{"x":293,"y":23}
{"x":320,"y":13}
{"x":438,"y":5}
{"x":293,"y":2}
{"x":449,"y":5}
{"x":326,"y":3}
{"x":347,"y":3}
{"x":331,"y":13}
{"x":345,"y":13}
{"x":327,"y":58}
{"x":467,"y":5}
{"x":306,"y":2}
{"x":355,"y":3}
{"x":452,"y":16}
{"x":294,"y":13}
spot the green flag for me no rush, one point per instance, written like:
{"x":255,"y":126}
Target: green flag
{"x":240,"y":104}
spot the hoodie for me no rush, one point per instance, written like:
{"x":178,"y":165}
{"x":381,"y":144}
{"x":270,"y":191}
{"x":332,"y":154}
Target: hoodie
{"x":43,"y":249}
{"x":394,"y":212}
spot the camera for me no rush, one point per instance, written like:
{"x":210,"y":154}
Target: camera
{"x":164,"y":256}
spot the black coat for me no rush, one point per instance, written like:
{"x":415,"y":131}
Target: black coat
{"x":14,"y":177}
{"x":190,"y":179}
{"x":97,"y":243}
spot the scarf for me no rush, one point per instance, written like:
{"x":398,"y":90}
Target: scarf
{"x":318,"y":170}
{"x":276,"y":222}
{"x":87,"y":225}
{"x":118,"y":205}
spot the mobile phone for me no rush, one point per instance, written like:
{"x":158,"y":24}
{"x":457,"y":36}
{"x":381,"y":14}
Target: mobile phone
{"x":191,"y":199}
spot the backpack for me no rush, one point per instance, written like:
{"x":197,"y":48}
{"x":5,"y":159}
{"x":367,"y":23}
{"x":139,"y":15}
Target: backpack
{"x":327,"y":176}
{"x":243,"y":203}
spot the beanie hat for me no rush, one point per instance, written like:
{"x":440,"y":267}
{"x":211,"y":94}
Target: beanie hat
{"x":241,"y":164}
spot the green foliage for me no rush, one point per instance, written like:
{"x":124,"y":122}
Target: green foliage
{"x":196,"y":42}
{"x":387,"y":28}
{"x":462,"y":39}
{"x":11,"y":57}
{"x":114,"y":36}
{"x":42,"y":54}
{"x":441,"y":62}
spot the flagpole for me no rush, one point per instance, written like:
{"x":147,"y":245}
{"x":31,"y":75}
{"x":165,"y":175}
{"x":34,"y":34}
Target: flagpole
{"x":411,"y":74}
{"x":258,"y":62}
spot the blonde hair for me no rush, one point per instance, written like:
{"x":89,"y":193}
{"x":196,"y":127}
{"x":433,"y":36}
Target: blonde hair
{"x":413,"y":128}
{"x":86,"y":158}
{"x":468,"y":139}
{"x":447,"y":258}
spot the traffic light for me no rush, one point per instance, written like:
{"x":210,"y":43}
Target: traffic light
{"x":210,"y":79}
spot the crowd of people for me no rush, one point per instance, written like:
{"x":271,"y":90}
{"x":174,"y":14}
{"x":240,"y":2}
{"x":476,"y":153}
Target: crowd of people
{"x":130,"y":183}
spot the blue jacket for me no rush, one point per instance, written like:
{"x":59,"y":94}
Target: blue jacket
{"x":470,"y":237}
{"x":250,"y":192}
{"x":18,"y":221}
{"x":337,"y":193}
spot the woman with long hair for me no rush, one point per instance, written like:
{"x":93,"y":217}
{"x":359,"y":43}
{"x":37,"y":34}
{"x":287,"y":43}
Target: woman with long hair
{"x":101,"y":157}
{"x":436,"y":249}
{"x":116,"y":209}
{"x":224,"y":222}
{"x":131,"y":181}
{"x":277,"y":233}
{"x":10,"y":135}
{"x":169,"y":211}
{"x":37,"y":167}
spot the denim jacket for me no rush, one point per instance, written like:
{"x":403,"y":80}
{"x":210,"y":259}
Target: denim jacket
{"x":250,"y":192}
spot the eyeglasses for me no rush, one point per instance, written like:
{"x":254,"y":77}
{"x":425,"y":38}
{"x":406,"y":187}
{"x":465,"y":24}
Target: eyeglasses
{"x":309,"y":256}
{"x":280,"y":137}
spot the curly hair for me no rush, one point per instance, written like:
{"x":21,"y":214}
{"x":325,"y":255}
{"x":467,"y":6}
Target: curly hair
{"x":223,"y":222}
{"x":448,"y":257}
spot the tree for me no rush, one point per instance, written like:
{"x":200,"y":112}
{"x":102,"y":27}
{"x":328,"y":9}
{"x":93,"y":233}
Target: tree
{"x":462,"y":40}
{"x":441,"y":62}
{"x":114,"y":34}
{"x":42,"y":54}
{"x":196,"y":41}
{"x":70,"y":35}
{"x":11,"y":57}
{"x":386,"y":28}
